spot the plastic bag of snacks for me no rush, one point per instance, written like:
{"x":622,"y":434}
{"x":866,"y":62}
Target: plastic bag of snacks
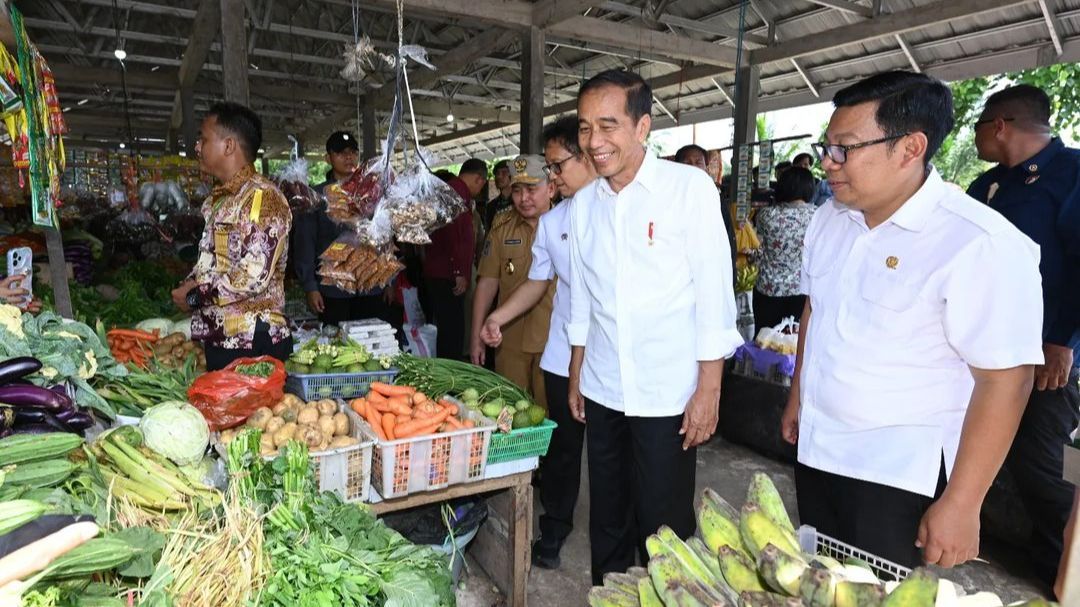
{"x":353,"y":202}
{"x":354,"y":266}
{"x":783,"y":338}
{"x":417,"y":204}
{"x":293,"y":183}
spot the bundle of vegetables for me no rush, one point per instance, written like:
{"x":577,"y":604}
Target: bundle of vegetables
{"x":69,"y":352}
{"x":339,"y":356}
{"x":166,"y":327}
{"x":26,"y":408}
{"x":135,"y":472}
{"x":395,"y":412}
{"x":131,"y":345}
{"x":141,"y":389}
{"x":472,"y":383}
{"x":324,"y":551}
{"x":318,"y":424}
{"x":751,"y":557}
{"x":175,"y":349}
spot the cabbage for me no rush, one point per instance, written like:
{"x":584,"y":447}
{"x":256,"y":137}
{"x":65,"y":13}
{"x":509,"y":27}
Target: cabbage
{"x":163,"y":326}
{"x":176,"y":430}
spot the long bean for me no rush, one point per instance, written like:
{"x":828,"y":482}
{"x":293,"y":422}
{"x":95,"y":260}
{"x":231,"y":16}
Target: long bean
{"x":142,"y":389}
{"x":439,"y":376}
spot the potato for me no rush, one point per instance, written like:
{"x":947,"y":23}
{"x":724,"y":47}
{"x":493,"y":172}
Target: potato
{"x":308,"y":415}
{"x":312,"y":437}
{"x":341,"y":424}
{"x":227,"y":436}
{"x":281,"y":406}
{"x":292,"y":400}
{"x":289,"y":414}
{"x":326,"y":425}
{"x":266,"y":443}
{"x":343,"y":441}
{"x":260,"y":417}
{"x":287,"y":432}
{"x":327,"y":407}
{"x":323,"y":445}
{"x":275,"y":424}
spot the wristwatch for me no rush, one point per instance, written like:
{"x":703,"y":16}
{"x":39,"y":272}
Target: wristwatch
{"x":194,"y":300}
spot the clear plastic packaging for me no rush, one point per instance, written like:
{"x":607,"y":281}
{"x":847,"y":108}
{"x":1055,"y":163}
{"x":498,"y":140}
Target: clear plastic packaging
{"x":293,"y":183}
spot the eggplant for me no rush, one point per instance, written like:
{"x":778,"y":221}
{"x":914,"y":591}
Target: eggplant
{"x":80,"y":421}
{"x":36,"y":429}
{"x":34,"y":396}
{"x":15,"y":368}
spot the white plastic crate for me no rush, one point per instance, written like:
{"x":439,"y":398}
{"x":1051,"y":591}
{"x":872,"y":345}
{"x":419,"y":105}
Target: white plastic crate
{"x":812,"y":542}
{"x":345,"y":471}
{"x":512,"y":467}
{"x":424,"y":463}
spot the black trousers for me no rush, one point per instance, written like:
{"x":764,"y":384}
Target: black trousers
{"x":340,"y":309}
{"x":769,"y":311}
{"x":448,"y":314}
{"x":261,"y":345}
{"x":639,"y":478}
{"x":1036,"y":463}
{"x":560,"y":469}
{"x":879,"y":519}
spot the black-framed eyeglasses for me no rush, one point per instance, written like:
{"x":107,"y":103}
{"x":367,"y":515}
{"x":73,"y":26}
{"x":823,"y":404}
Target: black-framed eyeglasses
{"x":838,"y":153}
{"x":555,"y":168}
{"x":979,"y":123}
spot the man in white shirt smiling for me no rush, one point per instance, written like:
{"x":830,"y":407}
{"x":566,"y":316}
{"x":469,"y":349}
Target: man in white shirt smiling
{"x":922,"y":322}
{"x":652,"y":318}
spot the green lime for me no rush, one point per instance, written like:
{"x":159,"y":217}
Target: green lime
{"x":536,"y":414}
{"x":522,"y":405}
{"x":357,"y":368}
{"x":324,"y":361}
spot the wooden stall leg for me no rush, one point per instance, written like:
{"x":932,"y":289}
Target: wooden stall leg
{"x":520,"y":542}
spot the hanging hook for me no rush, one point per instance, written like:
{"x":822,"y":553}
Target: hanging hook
{"x":295,"y":153}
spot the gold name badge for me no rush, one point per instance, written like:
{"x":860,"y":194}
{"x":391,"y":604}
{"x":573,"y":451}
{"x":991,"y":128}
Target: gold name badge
{"x":510,"y":267}
{"x":891,"y":262}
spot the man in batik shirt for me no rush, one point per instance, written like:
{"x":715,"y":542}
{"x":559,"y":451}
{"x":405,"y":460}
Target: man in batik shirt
{"x":236,"y":291}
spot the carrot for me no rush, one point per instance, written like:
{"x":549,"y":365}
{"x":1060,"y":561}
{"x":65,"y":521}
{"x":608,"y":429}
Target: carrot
{"x":400,"y":408}
{"x":402,"y":418}
{"x":359,"y":406}
{"x":388,"y":390}
{"x":374,"y":419}
{"x":449,"y":405}
{"x":419,"y":398}
{"x":454,"y":423}
{"x":388,"y":423}
{"x":422,"y":426}
{"x":380,"y":406}
{"x":469,"y":423}
{"x":134,"y":334}
{"x":375,"y":397}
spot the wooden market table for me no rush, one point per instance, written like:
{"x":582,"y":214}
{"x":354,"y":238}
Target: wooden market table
{"x":519,"y":528}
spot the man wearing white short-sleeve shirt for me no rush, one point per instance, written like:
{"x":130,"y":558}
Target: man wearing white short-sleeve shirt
{"x":922,"y":323}
{"x":652,"y":318}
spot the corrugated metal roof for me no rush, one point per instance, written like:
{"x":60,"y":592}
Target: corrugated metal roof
{"x":297,"y":46}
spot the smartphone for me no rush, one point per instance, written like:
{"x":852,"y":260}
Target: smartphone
{"x":20,"y":261}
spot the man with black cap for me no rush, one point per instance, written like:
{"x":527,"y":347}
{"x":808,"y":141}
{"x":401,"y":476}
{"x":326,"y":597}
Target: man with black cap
{"x":314,"y":231}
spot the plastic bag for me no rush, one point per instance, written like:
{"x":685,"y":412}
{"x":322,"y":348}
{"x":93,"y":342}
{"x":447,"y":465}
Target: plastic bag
{"x":353,"y":266}
{"x":419,"y":203}
{"x":227,"y":398}
{"x":293,"y":183}
{"x":353,"y":202}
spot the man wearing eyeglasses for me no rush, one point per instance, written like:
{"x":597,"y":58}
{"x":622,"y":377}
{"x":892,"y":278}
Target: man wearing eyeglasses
{"x":504,"y":268}
{"x":919,"y":336}
{"x":1036,"y":186}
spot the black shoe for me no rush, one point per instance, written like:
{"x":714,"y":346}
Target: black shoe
{"x":544,"y":555}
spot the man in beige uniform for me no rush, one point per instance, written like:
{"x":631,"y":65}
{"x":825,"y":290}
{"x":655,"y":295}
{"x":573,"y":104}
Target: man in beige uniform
{"x":504,"y":266}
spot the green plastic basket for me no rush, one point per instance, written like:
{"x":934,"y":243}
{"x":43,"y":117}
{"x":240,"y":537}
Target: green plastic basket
{"x":520,"y":443}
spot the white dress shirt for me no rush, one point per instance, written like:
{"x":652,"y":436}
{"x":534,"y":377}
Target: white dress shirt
{"x":551,"y":259}
{"x":899,"y":313}
{"x":650,"y":287}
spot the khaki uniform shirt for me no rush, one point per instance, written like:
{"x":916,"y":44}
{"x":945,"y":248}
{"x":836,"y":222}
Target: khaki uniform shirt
{"x":507,"y":256}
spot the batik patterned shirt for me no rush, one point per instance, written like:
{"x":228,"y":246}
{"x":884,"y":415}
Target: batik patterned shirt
{"x":240,"y":273}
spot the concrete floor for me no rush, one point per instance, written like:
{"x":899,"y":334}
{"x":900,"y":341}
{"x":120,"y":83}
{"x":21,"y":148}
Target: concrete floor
{"x":726,"y":468}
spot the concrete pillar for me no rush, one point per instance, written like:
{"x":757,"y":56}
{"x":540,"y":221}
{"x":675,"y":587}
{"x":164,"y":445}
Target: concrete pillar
{"x":190,"y":126}
{"x":747,"y":86}
{"x":532,"y":90}
{"x":368,"y":127}
{"x":234,"y":51}
{"x":172,"y":146}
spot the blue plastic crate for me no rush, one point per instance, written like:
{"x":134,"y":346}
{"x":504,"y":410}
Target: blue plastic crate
{"x":315,"y":386}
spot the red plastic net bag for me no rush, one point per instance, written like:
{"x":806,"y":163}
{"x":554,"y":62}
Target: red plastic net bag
{"x":228,"y":397}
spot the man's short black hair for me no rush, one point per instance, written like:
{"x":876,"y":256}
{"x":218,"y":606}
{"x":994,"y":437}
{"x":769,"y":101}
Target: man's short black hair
{"x":564,"y":132}
{"x":684,"y":151}
{"x":638,"y":92}
{"x":1023,"y":103}
{"x":907,"y":103}
{"x":444,"y":175}
{"x":474,"y":166}
{"x":795,"y":183}
{"x":798,"y":157}
{"x":782,"y":166}
{"x":242,"y":123}
{"x":502,"y":164}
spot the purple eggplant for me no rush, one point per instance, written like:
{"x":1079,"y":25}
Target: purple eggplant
{"x":34,"y":396}
{"x":80,"y":421}
{"x":14,"y":368}
{"x":36,"y":429}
